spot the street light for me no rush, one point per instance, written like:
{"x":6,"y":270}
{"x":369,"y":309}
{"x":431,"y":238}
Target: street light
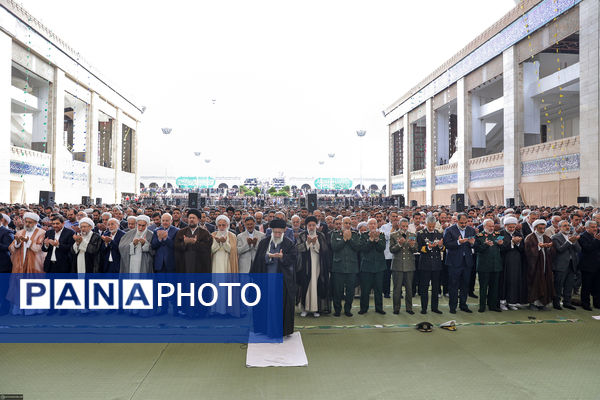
{"x":207,"y":161}
{"x":361,"y":133}
{"x":197,"y":154}
{"x":166,"y":131}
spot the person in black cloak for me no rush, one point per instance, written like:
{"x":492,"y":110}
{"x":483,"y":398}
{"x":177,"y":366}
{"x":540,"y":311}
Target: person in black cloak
{"x":277,"y":254}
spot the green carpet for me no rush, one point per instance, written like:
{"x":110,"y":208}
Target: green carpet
{"x":556,"y":356}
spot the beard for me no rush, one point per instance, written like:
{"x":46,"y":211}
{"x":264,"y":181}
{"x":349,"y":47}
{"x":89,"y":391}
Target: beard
{"x":29,"y":229}
{"x":193,"y":226}
{"x":312,"y":232}
{"x":277,"y":241}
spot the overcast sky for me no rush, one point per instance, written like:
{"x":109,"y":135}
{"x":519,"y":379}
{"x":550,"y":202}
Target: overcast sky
{"x":293,"y":81}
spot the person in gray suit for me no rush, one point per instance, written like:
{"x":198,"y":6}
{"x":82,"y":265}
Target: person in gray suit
{"x":403,"y":245}
{"x":564,"y":266}
{"x":247,"y":243}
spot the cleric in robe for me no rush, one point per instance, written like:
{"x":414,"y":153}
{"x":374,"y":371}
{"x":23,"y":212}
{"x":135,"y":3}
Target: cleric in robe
{"x":540,"y":279}
{"x":277,"y":254}
{"x":135,"y":247}
{"x":193,"y":246}
{"x":86,"y":249}
{"x":313,"y":268}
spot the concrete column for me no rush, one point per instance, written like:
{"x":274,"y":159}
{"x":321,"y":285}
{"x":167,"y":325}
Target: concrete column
{"x":531,"y":106}
{"x":463,"y":136}
{"x":406,"y":155}
{"x":118,"y":156}
{"x":5,"y":115}
{"x":390,"y":162}
{"x":57,"y":146}
{"x":92,"y":143}
{"x":513,"y":122}
{"x":429,"y":152}
{"x":589,"y":165}
{"x":478,"y":137}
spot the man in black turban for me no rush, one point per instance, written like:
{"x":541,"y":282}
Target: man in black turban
{"x":277,"y":254}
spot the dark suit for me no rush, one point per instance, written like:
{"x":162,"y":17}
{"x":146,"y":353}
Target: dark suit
{"x":164,"y":259}
{"x":590,"y":269}
{"x":564,"y":266}
{"x":63,"y":252}
{"x":111,"y":250}
{"x":6,"y":238}
{"x":459,"y":260}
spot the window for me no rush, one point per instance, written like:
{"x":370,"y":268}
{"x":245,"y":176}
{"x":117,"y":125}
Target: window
{"x":75,"y":127}
{"x":398,"y":138}
{"x":127,"y":148}
{"x":418,"y":147}
{"x":29,"y":110}
{"x":105,"y":129}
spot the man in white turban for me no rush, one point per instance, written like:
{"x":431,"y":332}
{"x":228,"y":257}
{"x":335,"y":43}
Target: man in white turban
{"x":137,"y":255}
{"x":86,"y":248}
{"x":224,"y":248}
{"x":540,"y":279}
{"x":513,"y":280}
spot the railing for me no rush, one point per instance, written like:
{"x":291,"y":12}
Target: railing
{"x":492,"y":160}
{"x":446,"y":169}
{"x":550,"y":149}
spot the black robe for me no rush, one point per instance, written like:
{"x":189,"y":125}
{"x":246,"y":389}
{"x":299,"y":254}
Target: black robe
{"x":540,"y":278}
{"x":193,"y":257}
{"x":513,"y":279}
{"x":287,"y":267}
{"x":303,"y":272}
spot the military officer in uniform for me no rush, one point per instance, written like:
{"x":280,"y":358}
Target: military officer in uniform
{"x":372,"y":267}
{"x":403,"y":245}
{"x":489,"y":265}
{"x":345,"y":245}
{"x":431,"y":245}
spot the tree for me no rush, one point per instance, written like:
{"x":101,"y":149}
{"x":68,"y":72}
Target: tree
{"x":286,"y":188}
{"x":256,"y":190}
{"x":272,"y":190}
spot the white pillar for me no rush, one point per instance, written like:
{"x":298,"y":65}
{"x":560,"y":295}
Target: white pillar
{"x":118,"y":154}
{"x":463,"y":135}
{"x":429,"y":152}
{"x":478,"y":139}
{"x":92,"y":144}
{"x":406,"y":155}
{"x":589,"y":165}
{"x":58,"y":149}
{"x":531,"y":106}
{"x":513,"y":117}
{"x":135,"y":158}
{"x":5,"y":115}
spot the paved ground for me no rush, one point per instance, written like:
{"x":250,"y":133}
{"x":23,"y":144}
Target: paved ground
{"x":363,"y":357}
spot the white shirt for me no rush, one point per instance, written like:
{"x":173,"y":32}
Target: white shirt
{"x":387,"y":230}
{"x":56,"y":237}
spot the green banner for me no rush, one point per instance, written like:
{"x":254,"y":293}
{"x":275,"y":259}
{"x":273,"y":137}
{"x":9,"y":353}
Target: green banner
{"x":192,"y":182}
{"x":333,"y":183}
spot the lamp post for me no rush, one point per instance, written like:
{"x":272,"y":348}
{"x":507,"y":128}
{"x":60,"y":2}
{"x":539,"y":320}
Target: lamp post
{"x":207,"y":161}
{"x":331,"y":156}
{"x":166,"y":131}
{"x":361,"y":133}
{"x":197,"y":154}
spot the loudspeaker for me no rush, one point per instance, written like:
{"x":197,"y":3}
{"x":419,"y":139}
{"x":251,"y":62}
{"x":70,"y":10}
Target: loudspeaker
{"x":311,"y":200}
{"x":192,"y":200}
{"x":302,"y":202}
{"x":86,"y":200}
{"x":583,"y":200}
{"x":98,"y":201}
{"x":46,"y":198}
{"x":457,"y":202}
{"x":510,"y":202}
{"x":413,"y":203}
{"x":480,"y":203}
{"x":401,"y":201}
{"x":202,"y":202}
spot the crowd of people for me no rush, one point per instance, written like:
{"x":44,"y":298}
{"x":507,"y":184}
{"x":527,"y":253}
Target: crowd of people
{"x":536,"y":257}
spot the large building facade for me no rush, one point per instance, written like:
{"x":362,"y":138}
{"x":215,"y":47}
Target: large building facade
{"x":64,"y":129}
{"x":514,"y":115}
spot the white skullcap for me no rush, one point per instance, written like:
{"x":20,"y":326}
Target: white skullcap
{"x":510,"y":220}
{"x":143,"y":218}
{"x":32,"y":216}
{"x":113,"y":219}
{"x":6,"y":218}
{"x":223,"y":217}
{"x":88,"y":221}
{"x":526,"y":211}
{"x":509,"y":211}
{"x":88,"y":211}
{"x":131,"y":217}
{"x":538,"y":222}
